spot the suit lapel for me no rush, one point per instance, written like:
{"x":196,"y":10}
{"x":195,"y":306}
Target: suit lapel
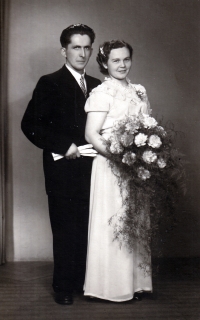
{"x":71,"y":81}
{"x":67,"y":78}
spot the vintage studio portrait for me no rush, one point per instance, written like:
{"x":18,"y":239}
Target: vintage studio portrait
{"x":100,"y":147}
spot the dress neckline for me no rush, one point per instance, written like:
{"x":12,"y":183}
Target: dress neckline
{"x":118,"y":84}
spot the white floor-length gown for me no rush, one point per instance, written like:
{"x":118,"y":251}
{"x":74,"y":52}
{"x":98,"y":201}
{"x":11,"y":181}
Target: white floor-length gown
{"x":111,"y":273}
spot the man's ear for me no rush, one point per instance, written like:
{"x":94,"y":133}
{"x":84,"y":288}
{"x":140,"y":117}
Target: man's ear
{"x":91,"y":50}
{"x":63,"y":52}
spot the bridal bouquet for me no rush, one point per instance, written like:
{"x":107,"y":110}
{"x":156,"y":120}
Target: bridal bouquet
{"x":149,"y":169}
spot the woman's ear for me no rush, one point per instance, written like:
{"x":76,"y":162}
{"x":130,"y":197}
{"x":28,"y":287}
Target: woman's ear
{"x":63,"y":52}
{"x":105,"y":66}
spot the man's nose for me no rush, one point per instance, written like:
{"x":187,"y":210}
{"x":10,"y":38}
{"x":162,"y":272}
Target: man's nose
{"x":122,"y":64}
{"x":82,"y":52}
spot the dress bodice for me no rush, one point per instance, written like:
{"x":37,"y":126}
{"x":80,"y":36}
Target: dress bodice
{"x":117,"y":101}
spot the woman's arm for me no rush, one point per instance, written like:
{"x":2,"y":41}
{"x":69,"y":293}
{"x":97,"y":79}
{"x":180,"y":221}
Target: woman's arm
{"x":95,"y":121}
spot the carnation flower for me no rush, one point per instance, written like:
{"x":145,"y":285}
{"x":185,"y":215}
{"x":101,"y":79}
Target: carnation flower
{"x":129,"y":158}
{"x":116,"y":147}
{"x":161,"y":130}
{"x":161,"y":163}
{"x":149,"y":156}
{"x":143,"y":173}
{"x":116,"y":125}
{"x":132,"y":126}
{"x":127,"y":139}
{"x":148,"y":122}
{"x":140,"y":139}
{"x":154,"y":141}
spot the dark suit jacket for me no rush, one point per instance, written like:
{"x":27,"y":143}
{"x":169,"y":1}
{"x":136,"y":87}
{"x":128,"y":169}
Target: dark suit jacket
{"x":54,"y":119}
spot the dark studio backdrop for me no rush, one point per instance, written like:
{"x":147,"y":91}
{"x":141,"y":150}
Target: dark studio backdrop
{"x":165,"y":38}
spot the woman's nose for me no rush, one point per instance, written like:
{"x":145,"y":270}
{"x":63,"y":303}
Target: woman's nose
{"x":122,"y":64}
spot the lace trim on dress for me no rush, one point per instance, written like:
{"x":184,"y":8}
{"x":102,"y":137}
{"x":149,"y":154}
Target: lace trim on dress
{"x":113,"y":88}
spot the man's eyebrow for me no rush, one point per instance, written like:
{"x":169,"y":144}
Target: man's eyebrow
{"x":77,"y":45}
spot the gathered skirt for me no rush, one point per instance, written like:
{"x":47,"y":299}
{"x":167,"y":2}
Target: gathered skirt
{"x":112,"y":272}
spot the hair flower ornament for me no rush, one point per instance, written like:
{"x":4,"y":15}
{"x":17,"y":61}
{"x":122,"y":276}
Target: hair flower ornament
{"x":102,"y":52}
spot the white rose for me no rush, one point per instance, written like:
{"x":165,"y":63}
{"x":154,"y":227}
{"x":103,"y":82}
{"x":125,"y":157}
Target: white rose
{"x":154,"y":141}
{"x":148,"y":122}
{"x":161,"y":163}
{"x":140,"y":139}
{"x":149,"y":156}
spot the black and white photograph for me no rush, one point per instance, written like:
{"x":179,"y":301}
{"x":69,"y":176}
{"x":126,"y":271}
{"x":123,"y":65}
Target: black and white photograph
{"x":99,"y":161}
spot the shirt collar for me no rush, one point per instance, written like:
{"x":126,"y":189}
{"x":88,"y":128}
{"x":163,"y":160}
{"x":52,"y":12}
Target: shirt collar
{"x":76,"y":75}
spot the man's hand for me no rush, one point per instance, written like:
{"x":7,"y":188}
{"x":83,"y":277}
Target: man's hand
{"x":72,"y":152}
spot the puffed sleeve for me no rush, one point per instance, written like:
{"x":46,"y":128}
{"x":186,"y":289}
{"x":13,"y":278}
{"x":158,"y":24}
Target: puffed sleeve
{"x":98,"y":101}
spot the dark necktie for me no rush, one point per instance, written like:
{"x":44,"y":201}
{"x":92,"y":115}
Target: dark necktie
{"x":82,"y":85}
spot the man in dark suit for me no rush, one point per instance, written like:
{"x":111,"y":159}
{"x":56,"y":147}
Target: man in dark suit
{"x":55,"y":122}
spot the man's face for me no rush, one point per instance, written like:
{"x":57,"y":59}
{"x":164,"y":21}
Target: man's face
{"x":78,"y":52}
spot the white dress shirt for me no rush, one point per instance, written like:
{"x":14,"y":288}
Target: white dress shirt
{"x":77,"y":75}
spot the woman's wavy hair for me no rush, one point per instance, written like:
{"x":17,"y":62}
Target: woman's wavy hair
{"x":105,"y":49}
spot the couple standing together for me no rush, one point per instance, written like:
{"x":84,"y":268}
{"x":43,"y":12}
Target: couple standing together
{"x":67,"y":107}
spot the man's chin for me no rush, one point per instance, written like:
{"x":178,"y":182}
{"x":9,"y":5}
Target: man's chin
{"x":80,"y":67}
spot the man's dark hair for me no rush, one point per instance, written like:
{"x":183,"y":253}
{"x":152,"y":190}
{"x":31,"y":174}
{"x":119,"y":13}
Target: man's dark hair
{"x":105,"y":49}
{"x":78,"y":28}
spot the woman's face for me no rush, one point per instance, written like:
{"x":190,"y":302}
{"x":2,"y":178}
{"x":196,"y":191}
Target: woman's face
{"x":119,"y":63}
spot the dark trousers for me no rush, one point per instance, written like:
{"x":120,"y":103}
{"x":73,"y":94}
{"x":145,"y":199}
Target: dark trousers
{"x":69,"y":223}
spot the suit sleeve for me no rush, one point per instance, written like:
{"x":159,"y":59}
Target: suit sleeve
{"x":39,"y":123}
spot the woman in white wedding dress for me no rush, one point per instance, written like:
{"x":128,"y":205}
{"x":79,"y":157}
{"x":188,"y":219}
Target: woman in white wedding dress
{"x":112,"y":273}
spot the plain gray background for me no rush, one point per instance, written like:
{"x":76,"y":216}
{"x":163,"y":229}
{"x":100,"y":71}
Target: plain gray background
{"x":165,"y":38}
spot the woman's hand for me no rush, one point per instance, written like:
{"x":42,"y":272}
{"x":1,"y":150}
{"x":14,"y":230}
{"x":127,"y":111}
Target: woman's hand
{"x":72,"y":152}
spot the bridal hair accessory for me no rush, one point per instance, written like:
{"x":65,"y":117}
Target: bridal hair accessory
{"x":102,"y":52}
